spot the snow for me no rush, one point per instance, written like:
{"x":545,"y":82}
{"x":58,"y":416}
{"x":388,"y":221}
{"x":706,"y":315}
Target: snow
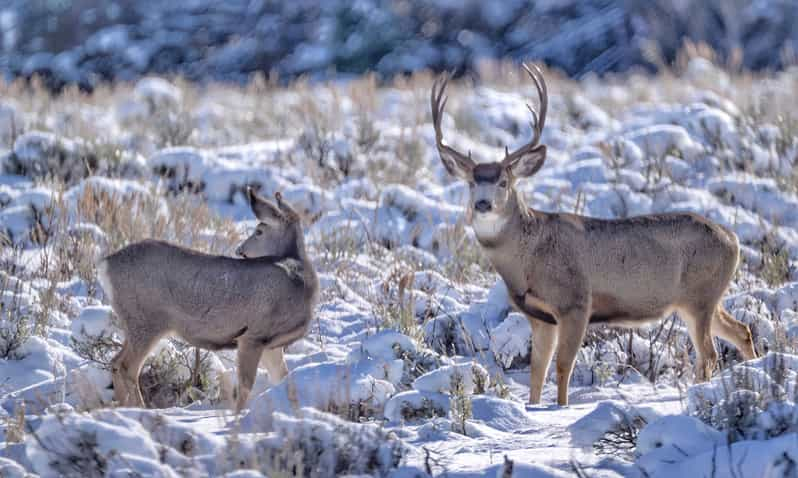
{"x":93,"y":322}
{"x":413,"y":328}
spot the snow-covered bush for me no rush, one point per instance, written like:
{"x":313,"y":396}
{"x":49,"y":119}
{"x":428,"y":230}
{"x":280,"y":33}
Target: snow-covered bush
{"x":510,"y":341}
{"x":413,"y":405}
{"x":323,"y":445}
{"x":753,"y":400}
{"x":612,"y":428}
{"x":40,"y":154}
{"x":473,"y":376}
{"x":350,"y":390}
{"x":106,"y":442}
{"x":400,"y":354}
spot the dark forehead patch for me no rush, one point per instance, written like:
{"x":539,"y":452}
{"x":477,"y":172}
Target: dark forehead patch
{"x":487,"y":172}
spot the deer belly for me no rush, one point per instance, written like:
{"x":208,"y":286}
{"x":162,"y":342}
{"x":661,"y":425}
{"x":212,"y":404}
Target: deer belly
{"x":612,"y":309}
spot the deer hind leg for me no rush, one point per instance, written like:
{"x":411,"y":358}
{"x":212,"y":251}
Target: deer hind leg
{"x":699,"y":325}
{"x":274,"y":362}
{"x":126,"y":367}
{"x":570,"y":334}
{"x":249,"y":353}
{"x":544,"y":337}
{"x":728,"y":328}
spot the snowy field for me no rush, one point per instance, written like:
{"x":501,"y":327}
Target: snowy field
{"x":414,"y":364}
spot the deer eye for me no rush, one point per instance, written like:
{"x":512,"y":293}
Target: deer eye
{"x":503,"y":184}
{"x":258,"y":232}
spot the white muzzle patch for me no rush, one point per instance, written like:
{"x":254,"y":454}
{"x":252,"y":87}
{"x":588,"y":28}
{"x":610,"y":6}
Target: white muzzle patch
{"x":487,"y":225}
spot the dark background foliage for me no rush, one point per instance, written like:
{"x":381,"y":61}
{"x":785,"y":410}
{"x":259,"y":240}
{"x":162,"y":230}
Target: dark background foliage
{"x":87,"y":41}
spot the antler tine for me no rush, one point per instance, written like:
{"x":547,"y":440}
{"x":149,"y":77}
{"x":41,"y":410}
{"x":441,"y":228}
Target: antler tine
{"x":543,"y":94}
{"x":538,"y":118}
{"x":438,"y":103}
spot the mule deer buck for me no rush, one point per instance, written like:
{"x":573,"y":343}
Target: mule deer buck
{"x":258,"y":304}
{"x":566,"y":271}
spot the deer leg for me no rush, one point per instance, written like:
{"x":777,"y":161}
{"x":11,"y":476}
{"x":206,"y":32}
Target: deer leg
{"x":728,"y":328}
{"x":544,"y":337}
{"x":699,"y":326}
{"x":249,"y":353}
{"x":121,"y":385}
{"x":274,"y":362}
{"x":126,"y":367}
{"x":570,"y":334}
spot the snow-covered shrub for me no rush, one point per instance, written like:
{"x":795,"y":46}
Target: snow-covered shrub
{"x":412,"y":406}
{"x":96,"y":336}
{"x":472,"y":377}
{"x":109,"y":442}
{"x":612,"y":428}
{"x":182,"y":167}
{"x":12,"y":469}
{"x":18,"y":306}
{"x":41,"y":155}
{"x":389,"y":346}
{"x":180,"y":374}
{"x":752,"y":400}
{"x":327,"y":446}
{"x":460,"y":403}
{"x":510,"y":341}
{"x":158,"y":108}
{"x":352,"y":390}
{"x":11,"y":123}
{"x":70,"y":444}
{"x":673,"y":437}
{"x":157,"y":93}
{"x":174,"y":374}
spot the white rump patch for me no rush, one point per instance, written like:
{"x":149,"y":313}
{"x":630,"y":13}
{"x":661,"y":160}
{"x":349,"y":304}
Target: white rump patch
{"x":105,"y":280}
{"x":487,"y":225}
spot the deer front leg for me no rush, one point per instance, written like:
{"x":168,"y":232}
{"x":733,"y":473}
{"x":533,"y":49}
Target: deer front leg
{"x":544,"y":337}
{"x":249,"y":353}
{"x":571,"y":332}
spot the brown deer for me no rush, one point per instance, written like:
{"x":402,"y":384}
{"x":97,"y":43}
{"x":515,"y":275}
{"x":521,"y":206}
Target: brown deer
{"x":566,"y":271}
{"x":258,"y":304}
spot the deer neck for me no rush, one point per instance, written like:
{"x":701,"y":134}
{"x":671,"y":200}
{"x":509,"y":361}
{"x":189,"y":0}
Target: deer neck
{"x":308,"y":271}
{"x":519,"y":233}
{"x":500,"y":231}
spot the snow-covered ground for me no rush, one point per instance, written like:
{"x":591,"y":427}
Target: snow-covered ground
{"x":414,"y":363}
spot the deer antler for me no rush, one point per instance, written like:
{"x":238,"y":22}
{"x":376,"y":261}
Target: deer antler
{"x":438,"y":103}
{"x":539,"y":120}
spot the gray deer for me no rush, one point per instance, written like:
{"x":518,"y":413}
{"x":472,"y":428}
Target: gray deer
{"x":258,"y":303}
{"x":566,"y":271}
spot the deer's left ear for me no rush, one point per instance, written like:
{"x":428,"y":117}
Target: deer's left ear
{"x":288,"y":211}
{"x":266,"y":211}
{"x":530,"y":163}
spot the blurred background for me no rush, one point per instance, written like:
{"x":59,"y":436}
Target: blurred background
{"x":89,"y":41}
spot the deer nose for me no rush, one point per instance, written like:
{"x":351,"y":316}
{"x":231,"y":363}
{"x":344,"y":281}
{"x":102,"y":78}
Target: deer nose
{"x":240,"y":253}
{"x":482,"y":205}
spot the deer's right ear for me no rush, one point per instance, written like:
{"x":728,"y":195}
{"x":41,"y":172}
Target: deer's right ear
{"x":264,"y":210}
{"x":456,"y":165}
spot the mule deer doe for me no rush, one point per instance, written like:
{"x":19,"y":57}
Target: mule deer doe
{"x":258,"y":304}
{"x":566,"y":271}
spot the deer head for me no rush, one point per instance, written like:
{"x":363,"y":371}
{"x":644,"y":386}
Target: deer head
{"x":492,"y":184}
{"x":279,"y":230}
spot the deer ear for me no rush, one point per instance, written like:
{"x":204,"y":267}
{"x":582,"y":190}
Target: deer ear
{"x":455,"y":165}
{"x":530,"y":163}
{"x":286,"y":208}
{"x":264,"y":210}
